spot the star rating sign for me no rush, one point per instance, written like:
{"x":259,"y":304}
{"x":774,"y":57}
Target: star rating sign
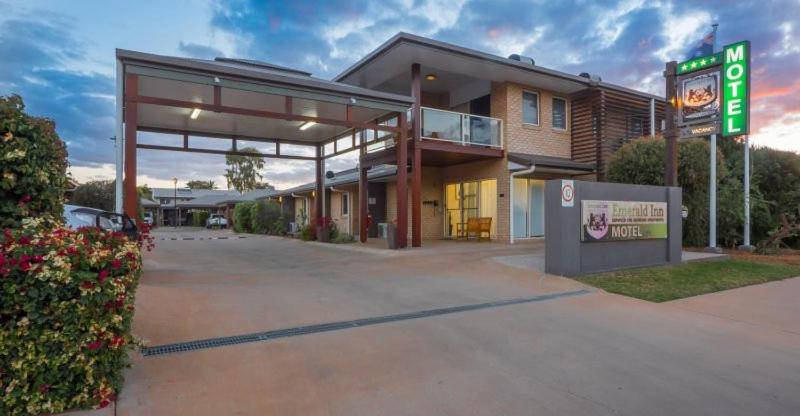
{"x":713,"y":59}
{"x":694,"y":65}
{"x":703,"y":62}
{"x":684,"y":67}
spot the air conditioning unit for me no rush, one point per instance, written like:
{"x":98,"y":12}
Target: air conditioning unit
{"x":293,"y":228}
{"x":383,"y":229}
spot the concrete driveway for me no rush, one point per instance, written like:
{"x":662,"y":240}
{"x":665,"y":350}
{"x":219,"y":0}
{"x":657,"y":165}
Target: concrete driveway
{"x":594,"y":353}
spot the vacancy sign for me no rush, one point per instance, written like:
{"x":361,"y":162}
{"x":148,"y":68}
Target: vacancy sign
{"x":736,"y":89}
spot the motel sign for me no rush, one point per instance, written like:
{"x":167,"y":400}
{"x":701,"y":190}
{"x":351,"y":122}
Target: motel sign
{"x":736,"y":89}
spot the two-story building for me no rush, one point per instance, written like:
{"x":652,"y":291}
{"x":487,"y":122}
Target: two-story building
{"x":485,"y":132}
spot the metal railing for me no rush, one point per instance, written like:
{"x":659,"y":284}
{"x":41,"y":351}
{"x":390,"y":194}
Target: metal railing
{"x":461,"y":128}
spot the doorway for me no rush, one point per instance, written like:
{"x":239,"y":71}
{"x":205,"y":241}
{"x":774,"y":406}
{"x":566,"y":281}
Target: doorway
{"x":465,"y":200}
{"x":528,"y":208}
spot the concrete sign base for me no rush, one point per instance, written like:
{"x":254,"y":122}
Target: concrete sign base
{"x":622,"y":227}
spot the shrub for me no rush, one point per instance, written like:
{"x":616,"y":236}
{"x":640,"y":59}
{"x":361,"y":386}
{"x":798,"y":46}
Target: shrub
{"x":33,"y":165}
{"x":66,"y":305}
{"x":242,"y":222}
{"x":343,"y":238}
{"x":266,"y":218}
{"x":199,"y":218}
{"x":642,"y":162}
{"x":308,"y":233}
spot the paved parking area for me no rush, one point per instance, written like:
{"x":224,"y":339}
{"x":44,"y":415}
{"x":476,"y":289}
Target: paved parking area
{"x":595,"y":353}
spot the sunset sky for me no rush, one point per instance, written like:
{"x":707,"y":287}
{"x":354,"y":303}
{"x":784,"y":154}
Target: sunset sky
{"x":59,"y":55}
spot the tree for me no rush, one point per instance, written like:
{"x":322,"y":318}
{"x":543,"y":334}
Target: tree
{"x":264,"y":185}
{"x":94,"y":194}
{"x":201,"y":185}
{"x":242,"y":173}
{"x":100,"y":194}
{"x":642,"y":162}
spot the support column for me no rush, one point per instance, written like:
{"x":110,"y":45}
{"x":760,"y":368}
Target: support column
{"x":129,"y":185}
{"x":670,"y":132}
{"x":401,"y":147}
{"x":416,"y":158}
{"x":363,"y":209}
{"x":319,"y":198}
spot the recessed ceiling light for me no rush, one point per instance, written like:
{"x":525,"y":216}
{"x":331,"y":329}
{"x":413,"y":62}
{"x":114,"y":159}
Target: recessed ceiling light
{"x":195,"y":113}
{"x":307,"y":124}
{"x":430,"y":77}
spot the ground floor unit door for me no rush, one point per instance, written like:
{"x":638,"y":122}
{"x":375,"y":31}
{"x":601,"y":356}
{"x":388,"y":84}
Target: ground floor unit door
{"x":465,"y":200}
{"x":528,"y":208}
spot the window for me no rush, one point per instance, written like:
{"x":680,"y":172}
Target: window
{"x":559,"y":114}
{"x":530,"y":108}
{"x":345,"y":204}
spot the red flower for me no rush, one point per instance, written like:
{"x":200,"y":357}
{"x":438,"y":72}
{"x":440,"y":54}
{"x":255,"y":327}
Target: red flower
{"x":102,"y":275}
{"x":109,"y":305}
{"x":117,"y":341}
{"x":95,"y":345}
{"x":87,"y":285}
{"x":44,"y":388}
{"x":25,"y":266}
{"x":116,"y":264}
{"x":25,"y":198}
{"x":104,"y":403}
{"x":24,"y":240}
{"x":72,"y":250}
{"x":131,"y":256}
{"x":38,"y":258}
{"x":2,"y":259}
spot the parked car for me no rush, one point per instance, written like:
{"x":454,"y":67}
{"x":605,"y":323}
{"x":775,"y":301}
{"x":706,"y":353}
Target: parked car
{"x":78,"y":216}
{"x":148,"y":218}
{"x":216,"y":221}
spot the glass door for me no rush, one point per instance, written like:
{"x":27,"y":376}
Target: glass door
{"x":536,"y":208}
{"x":461,"y":204}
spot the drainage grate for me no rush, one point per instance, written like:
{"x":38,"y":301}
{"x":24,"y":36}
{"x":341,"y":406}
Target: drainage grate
{"x":334,"y":326}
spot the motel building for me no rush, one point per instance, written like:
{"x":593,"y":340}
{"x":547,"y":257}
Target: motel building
{"x":444,"y":134}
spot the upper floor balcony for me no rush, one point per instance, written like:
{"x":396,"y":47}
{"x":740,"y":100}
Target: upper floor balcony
{"x":461,"y":128}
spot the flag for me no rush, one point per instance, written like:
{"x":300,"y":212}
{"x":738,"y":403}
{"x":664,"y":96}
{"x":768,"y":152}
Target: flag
{"x":705,"y":46}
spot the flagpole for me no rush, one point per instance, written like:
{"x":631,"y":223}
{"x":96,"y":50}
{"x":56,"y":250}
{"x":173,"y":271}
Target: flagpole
{"x":712,"y":176}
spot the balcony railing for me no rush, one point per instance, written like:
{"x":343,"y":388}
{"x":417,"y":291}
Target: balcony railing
{"x":460,"y":128}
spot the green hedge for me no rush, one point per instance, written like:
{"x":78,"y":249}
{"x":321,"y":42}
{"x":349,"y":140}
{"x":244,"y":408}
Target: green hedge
{"x":266,"y":217}
{"x":33,"y":165}
{"x":199,"y":218}
{"x":642,"y":162}
{"x":66,"y":306}
{"x":242,"y":217}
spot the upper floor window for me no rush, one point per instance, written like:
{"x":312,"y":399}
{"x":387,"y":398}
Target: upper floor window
{"x":530,"y":108}
{"x":559,"y":113}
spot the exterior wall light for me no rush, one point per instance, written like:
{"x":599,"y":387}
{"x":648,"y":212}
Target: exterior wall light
{"x":431,"y":77}
{"x":195,"y":113}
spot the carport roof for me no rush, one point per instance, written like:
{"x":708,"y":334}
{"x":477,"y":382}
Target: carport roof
{"x":251,"y":70}
{"x":344,"y":177}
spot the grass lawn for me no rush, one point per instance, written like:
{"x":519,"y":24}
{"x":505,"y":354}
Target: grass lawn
{"x":660,"y":284}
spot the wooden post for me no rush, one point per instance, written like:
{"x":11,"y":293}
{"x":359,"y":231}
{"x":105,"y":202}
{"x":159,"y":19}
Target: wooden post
{"x":129,"y":193}
{"x":670,"y":132}
{"x":401,"y":148}
{"x":363,"y":209}
{"x":319,"y":194}
{"x":416,"y":158}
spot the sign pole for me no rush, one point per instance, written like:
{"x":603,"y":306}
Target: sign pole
{"x":712,"y":198}
{"x":746,"y":246}
{"x":670,"y":133}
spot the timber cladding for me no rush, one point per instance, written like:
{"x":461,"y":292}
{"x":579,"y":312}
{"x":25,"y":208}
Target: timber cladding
{"x":604,"y":120}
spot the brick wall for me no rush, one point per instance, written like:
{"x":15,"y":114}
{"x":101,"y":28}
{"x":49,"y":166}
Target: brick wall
{"x":432,"y":190}
{"x":519,"y":137}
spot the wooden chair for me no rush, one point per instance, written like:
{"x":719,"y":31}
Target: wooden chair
{"x":479,"y":226}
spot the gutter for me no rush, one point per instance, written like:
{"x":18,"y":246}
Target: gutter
{"x":511,"y":200}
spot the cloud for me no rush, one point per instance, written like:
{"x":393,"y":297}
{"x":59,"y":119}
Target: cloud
{"x":195,"y":50}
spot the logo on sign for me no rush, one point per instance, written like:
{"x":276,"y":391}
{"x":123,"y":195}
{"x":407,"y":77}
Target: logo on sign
{"x":567,"y":193}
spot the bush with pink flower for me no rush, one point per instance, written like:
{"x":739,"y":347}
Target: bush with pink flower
{"x":66,"y":305}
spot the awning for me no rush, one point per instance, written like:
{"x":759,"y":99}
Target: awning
{"x":548,"y":164}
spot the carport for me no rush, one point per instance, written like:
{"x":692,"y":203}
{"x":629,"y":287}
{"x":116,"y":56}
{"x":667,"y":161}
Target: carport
{"x":290,"y":113}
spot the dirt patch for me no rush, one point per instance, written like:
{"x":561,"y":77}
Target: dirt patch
{"x":789,"y":257}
